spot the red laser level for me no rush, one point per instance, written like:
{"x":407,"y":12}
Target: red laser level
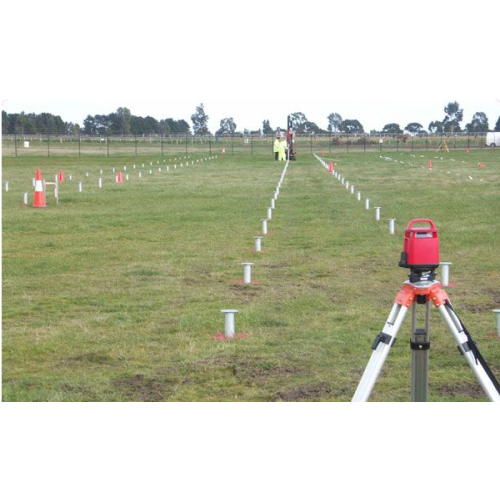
{"x":421,"y":248}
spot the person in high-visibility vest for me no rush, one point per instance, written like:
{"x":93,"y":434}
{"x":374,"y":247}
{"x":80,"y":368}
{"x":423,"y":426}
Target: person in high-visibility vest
{"x":283,"y":148}
{"x":276,"y":149}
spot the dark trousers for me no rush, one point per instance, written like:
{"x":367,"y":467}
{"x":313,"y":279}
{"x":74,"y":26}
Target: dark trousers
{"x":276,"y":156}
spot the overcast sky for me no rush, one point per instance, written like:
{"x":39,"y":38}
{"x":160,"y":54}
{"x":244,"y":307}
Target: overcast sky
{"x":378,"y":62}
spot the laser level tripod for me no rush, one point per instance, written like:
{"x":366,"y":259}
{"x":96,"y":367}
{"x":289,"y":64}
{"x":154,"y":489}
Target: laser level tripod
{"x":422,"y":289}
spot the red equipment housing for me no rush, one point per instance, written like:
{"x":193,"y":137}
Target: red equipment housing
{"x":421,"y":246}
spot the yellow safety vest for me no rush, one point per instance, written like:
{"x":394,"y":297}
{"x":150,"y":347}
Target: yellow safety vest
{"x":276,"y":146}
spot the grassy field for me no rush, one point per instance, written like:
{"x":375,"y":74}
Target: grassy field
{"x":115,"y":294}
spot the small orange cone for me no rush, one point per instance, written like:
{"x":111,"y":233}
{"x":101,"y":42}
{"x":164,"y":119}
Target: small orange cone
{"x":429,"y":165}
{"x":331,"y":167}
{"x":119,"y":178}
{"x":61,"y":176}
{"x":39,"y":200}
{"x":323,"y":154}
{"x":481,"y":165}
{"x":467,"y":150}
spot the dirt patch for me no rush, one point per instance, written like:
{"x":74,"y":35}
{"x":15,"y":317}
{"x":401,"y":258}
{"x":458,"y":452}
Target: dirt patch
{"x":86,"y":358}
{"x":303,"y":393}
{"x":140,"y":388}
{"x":492,"y":302}
{"x":245,"y":290}
{"x":262,"y":370}
{"x":254,"y":369}
{"x":479,"y":308}
{"x":92,"y":357}
{"x":461,"y":389}
{"x":494,"y":295}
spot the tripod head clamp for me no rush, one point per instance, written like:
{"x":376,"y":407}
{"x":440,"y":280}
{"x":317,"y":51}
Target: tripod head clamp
{"x":421,"y":250}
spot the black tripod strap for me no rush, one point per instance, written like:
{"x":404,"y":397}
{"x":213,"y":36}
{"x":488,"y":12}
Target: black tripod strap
{"x":475,"y":350}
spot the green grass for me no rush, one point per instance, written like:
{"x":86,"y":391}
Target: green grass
{"x":114,"y":295}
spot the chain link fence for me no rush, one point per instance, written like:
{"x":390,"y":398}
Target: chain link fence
{"x":80,"y":145}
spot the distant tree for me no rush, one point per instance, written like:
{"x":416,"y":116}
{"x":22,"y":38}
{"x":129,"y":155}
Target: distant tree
{"x":334,"y":121}
{"x":163,"y":127}
{"x":103,"y":124}
{"x":5,"y":123}
{"x":30,"y":124}
{"x":227,"y":126}
{"x":298,"y":121}
{"x":479,"y":123}
{"x":266,"y":128}
{"x":454,"y":115}
{"x":351,"y":127}
{"x":182,"y":127}
{"x":74,"y":128}
{"x":414,"y":128}
{"x":497,"y":126}
{"x":436,"y":127}
{"x":89,"y":126}
{"x":123,"y":119}
{"x":19,"y":123}
{"x":392,"y":128}
{"x":200,"y":120}
{"x":311,"y":128}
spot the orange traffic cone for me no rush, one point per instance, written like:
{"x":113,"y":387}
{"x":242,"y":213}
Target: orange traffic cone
{"x":323,"y":154}
{"x":119,"y":178}
{"x":467,"y":150}
{"x":61,"y":176}
{"x":481,"y":165}
{"x":429,"y":165}
{"x":331,"y":167}
{"x":39,"y":200}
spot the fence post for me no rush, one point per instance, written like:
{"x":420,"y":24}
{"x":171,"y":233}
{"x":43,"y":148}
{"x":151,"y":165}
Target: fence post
{"x":15,"y":143}
{"x":107,"y":143}
{"x":48,"y":146}
{"x":364,"y":144}
{"x":186,"y":144}
{"x":161,"y":140}
{"x":135,"y":137}
{"x":232,"y":144}
{"x":311,"y":143}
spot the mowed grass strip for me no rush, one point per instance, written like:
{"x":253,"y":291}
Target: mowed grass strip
{"x":115,"y":294}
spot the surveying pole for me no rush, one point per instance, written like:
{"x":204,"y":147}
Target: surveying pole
{"x":421,"y":256}
{"x":290,"y":139}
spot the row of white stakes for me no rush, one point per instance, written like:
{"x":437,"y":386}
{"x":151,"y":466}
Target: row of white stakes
{"x":127,"y":177}
{"x":229,"y":323}
{"x":344,"y":182}
{"x":101,"y":171}
{"x":445,"y":266}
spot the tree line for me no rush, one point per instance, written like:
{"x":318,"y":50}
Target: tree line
{"x":123,"y":122}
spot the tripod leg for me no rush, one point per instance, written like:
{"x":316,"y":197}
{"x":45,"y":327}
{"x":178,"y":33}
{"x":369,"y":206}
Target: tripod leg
{"x":381,"y":347}
{"x":420,"y":356}
{"x":455,"y":327}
